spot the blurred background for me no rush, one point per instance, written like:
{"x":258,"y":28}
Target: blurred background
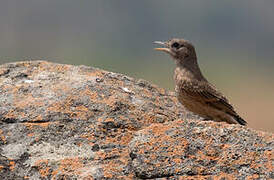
{"x":234,"y":41}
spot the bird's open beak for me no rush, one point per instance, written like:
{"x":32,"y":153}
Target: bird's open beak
{"x":165,"y":48}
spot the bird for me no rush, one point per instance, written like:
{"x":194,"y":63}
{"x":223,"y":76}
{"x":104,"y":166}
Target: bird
{"x":193,"y":90}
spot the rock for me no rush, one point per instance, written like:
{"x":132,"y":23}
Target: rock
{"x":201,"y":150}
{"x":77,"y":122}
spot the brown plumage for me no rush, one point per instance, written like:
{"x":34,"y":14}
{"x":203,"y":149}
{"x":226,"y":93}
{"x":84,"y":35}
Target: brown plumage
{"x":193,"y":90}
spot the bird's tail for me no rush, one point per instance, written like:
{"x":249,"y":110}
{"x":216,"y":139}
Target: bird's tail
{"x":240,"y":120}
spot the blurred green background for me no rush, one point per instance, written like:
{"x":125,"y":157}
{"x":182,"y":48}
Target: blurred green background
{"x":234,"y":41}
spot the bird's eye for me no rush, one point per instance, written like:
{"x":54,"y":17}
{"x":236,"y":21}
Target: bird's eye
{"x":175,"y":45}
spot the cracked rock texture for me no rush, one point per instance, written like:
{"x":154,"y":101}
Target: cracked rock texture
{"x":77,"y":122}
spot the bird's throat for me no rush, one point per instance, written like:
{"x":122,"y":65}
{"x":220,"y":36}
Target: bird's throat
{"x":189,"y":70}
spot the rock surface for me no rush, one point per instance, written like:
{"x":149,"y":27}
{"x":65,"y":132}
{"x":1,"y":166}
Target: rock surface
{"x":77,"y":122}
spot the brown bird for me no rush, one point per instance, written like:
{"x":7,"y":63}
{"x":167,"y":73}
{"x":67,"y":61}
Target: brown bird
{"x":192,"y":88}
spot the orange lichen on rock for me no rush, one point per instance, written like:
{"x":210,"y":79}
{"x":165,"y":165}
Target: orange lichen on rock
{"x":30,"y":134}
{"x":30,"y":125}
{"x":270,"y":159}
{"x":89,"y":93}
{"x":158,"y":129}
{"x":71,"y":165}
{"x":12,"y":165}
{"x":3,"y":138}
{"x":164,"y":147}
{"x":42,"y":165}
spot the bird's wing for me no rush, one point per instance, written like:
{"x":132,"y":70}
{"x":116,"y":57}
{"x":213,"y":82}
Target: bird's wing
{"x":207,"y":93}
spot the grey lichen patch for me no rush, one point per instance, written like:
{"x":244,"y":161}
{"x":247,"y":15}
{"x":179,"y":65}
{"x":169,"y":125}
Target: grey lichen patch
{"x":13,"y":151}
{"x":57,"y":152}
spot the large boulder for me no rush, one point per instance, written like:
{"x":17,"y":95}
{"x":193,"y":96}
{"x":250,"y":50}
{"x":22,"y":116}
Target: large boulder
{"x":77,"y":122}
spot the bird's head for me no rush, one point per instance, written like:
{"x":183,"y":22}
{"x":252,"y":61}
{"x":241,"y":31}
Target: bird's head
{"x":181,"y":50}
